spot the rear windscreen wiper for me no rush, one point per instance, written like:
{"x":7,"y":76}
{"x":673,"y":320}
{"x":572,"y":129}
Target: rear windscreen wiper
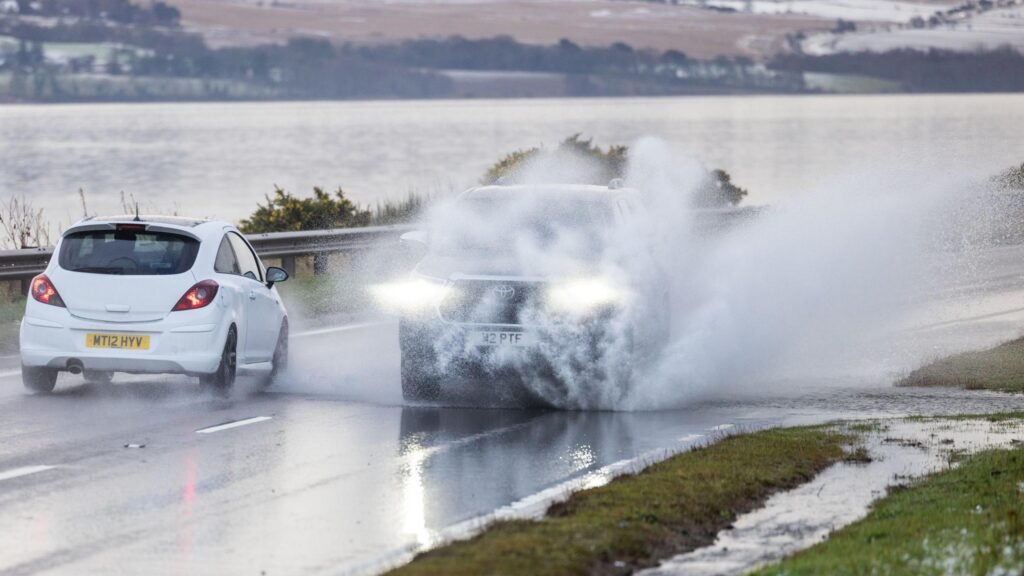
{"x":99,"y":270}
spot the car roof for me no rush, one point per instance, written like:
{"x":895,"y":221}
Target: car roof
{"x":198,"y":228}
{"x":572,"y":191}
{"x":183,"y":221}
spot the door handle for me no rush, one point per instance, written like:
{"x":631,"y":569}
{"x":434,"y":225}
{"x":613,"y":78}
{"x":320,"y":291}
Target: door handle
{"x":252,"y":294}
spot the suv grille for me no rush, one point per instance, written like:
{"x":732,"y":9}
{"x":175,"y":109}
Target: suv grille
{"x":489,"y":301}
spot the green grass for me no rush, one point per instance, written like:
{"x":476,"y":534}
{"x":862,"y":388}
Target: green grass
{"x":867,"y":426}
{"x":11,"y":312}
{"x":994,"y":417}
{"x":1001,"y":368}
{"x":968,"y":520}
{"x":670,"y":507}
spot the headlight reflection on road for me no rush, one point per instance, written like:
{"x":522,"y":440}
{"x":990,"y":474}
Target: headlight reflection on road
{"x":410,"y":295}
{"x":414,"y":518}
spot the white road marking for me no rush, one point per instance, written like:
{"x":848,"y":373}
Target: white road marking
{"x":10,"y":373}
{"x":23,"y":471}
{"x":345,"y":328}
{"x":721,"y":427}
{"x":235,"y":424}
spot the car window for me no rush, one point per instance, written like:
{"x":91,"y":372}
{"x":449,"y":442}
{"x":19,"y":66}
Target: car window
{"x":226,"y":262}
{"x":127,"y":252}
{"x":247,"y":262}
{"x":566,"y":222}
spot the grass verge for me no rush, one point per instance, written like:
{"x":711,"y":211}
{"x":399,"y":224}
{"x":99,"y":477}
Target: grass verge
{"x":1000,"y":368}
{"x":968,"y":520}
{"x":11,"y":312}
{"x":326,"y":295}
{"x":670,"y":507}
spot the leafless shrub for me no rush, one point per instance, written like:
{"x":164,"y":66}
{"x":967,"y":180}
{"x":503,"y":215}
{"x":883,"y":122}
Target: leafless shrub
{"x":22,"y":224}
{"x":131,"y":205}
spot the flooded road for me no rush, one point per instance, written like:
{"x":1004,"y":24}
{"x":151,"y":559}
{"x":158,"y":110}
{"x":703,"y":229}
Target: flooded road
{"x":153,"y":478}
{"x":329,"y":473}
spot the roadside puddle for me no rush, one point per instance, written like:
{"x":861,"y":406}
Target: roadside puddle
{"x":900,"y":451}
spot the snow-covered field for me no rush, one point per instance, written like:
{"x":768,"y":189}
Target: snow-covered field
{"x":859,"y":10}
{"x":994,"y":29}
{"x":699,"y":28}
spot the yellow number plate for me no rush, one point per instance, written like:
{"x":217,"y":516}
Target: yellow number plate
{"x":118,"y":341}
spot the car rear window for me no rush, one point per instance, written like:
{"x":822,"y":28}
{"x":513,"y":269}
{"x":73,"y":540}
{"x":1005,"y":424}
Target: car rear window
{"x":128,"y":252}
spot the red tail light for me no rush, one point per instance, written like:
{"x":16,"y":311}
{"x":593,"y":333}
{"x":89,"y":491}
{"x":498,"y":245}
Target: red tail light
{"x":198,"y":296}
{"x":42,"y":290}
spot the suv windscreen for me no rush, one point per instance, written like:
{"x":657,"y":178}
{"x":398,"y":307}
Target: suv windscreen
{"x":128,"y":252}
{"x":494,"y":225}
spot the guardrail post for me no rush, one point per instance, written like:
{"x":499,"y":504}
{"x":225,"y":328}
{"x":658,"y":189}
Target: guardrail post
{"x":320,"y":261}
{"x":288,"y":263}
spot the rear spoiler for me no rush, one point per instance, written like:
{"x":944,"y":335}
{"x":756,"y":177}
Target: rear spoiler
{"x":112,"y":226}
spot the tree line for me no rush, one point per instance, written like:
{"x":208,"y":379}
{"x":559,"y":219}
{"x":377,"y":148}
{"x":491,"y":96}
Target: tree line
{"x":316,"y":68}
{"x":999,"y":70}
{"x":151,"y":46}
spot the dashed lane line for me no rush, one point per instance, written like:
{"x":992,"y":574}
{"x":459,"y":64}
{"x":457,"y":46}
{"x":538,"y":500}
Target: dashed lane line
{"x":23,"y":471}
{"x":335,"y":329}
{"x":234,"y":424}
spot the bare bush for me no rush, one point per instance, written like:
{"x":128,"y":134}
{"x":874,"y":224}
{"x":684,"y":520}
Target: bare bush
{"x":22,"y":224}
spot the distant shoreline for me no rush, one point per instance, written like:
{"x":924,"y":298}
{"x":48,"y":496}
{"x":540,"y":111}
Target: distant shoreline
{"x":19,"y":103}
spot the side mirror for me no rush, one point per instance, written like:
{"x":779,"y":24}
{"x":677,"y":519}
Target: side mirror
{"x":275,"y":275}
{"x":418,"y":239}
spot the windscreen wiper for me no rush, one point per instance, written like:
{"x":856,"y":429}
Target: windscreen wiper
{"x":100,"y":270}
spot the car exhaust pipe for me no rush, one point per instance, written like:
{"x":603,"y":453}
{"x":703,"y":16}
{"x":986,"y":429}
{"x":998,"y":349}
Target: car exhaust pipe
{"x":75,"y":366}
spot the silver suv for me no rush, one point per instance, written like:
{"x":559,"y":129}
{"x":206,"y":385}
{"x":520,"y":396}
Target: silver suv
{"x":547,"y":286}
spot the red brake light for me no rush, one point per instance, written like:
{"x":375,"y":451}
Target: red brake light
{"x":42,"y":290}
{"x":131,"y":227}
{"x":198,"y":296}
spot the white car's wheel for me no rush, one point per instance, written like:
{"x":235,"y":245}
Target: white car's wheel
{"x":223,"y":379}
{"x":280,"y":361}
{"x":40,"y":380}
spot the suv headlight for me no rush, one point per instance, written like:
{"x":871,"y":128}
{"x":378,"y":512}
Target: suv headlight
{"x":583,"y":295}
{"x":414,"y":295}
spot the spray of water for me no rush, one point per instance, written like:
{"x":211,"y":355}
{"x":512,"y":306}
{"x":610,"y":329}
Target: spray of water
{"x":823,"y":284}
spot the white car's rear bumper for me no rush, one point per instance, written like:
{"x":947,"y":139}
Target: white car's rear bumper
{"x":184,"y":342}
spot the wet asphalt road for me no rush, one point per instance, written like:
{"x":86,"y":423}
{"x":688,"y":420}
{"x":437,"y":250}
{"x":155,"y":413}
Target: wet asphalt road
{"x":329,"y":473}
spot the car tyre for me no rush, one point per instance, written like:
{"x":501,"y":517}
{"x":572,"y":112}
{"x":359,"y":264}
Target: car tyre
{"x":420,"y":380}
{"x":41,"y":380}
{"x":223,"y":379}
{"x":280,"y":360}
{"x":418,"y":383}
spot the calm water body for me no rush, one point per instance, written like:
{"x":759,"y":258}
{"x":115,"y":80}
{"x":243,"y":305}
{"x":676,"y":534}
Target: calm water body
{"x":220,"y":159}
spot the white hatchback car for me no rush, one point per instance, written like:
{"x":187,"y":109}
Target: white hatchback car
{"x":154,"y":295}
